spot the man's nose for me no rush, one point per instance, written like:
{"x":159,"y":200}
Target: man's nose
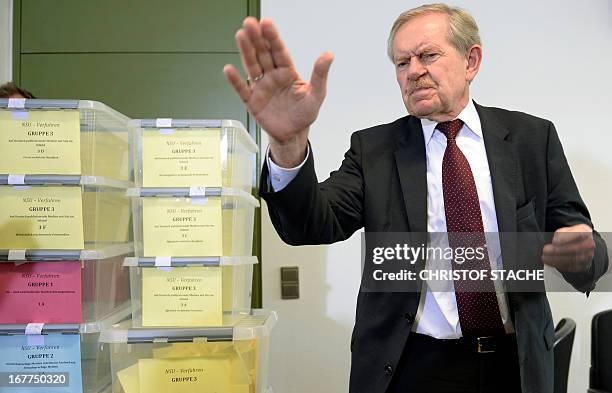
{"x":416,"y":69}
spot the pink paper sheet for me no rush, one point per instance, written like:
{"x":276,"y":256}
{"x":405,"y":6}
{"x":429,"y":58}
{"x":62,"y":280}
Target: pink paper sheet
{"x":43,"y":292}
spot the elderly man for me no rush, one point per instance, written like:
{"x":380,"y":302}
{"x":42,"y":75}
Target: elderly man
{"x":451,"y":166}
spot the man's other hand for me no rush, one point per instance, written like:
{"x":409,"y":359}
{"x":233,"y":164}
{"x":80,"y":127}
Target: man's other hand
{"x":571,"y":250}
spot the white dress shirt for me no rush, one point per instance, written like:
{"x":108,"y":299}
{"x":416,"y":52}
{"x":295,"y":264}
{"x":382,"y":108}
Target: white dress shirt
{"x":437,"y":314}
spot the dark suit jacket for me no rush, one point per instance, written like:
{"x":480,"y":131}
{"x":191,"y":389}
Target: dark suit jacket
{"x":382,"y":186}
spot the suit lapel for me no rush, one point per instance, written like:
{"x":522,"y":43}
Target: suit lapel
{"x":412,"y":171}
{"x":502,"y":165}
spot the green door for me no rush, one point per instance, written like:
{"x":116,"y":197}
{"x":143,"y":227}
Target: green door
{"x":144,"y":58}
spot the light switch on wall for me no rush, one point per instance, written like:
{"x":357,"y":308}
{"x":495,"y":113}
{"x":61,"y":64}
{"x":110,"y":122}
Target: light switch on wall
{"x":290,"y":282}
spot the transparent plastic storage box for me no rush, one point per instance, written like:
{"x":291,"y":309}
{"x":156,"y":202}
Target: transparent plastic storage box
{"x":63,"y":137}
{"x":192,"y":222}
{"x":56,"y":357}
{"x":195,"y":291}
{"x":55,"y":286}
{"x":232,"y":359}
{"x":63,"y":212}
{"x":186,"y":153}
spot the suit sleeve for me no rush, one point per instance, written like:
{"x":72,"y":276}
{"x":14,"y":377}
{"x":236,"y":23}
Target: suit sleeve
{"x":565,"y":208}
{"x":309,"y":212}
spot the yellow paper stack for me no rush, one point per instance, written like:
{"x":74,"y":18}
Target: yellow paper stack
{"x":231,"y":359}
{"x":192,"y":328}
{"x":64,"y":233}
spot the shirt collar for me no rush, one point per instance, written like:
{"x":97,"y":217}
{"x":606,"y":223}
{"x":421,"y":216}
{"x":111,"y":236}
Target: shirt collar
{"x":468,"y":115}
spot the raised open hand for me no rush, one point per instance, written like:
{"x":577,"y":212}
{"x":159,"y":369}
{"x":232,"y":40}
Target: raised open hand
{"x":282,"y":103}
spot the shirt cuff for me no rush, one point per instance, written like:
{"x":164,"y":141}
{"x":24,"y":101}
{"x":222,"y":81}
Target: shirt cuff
{"x":279,"y":176}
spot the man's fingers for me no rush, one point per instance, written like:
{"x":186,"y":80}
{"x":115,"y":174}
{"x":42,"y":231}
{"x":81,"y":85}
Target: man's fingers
{"x":568,"y":258}
{"x":318,"y":80}
{"x":558,"y":260}
{"x":279,"y":52}
{"x":569,"y":250}
{"x":572,"y":233}
{"x":239,"y":85}
{"x":262,"y":52}
{"x":577,"y":246}
{"x":561,"y":262}
{"x":248,"y":55}
{"x":561,"y":237}
{"x":582,"y":228}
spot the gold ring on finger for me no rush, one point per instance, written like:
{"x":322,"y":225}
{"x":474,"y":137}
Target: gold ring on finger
{"x":257,"y":78}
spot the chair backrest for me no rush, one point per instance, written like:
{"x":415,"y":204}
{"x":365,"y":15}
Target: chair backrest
{"x":564,"y":342}
{"x":601,"y":351}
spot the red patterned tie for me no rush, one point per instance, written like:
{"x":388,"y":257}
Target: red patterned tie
{"x":476,"y":299}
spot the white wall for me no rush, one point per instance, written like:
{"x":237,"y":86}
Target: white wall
{"x":548,"y":58}
{"x":6,"y":40}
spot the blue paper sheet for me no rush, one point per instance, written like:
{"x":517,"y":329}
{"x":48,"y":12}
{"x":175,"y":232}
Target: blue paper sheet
{"x":52,"y":363}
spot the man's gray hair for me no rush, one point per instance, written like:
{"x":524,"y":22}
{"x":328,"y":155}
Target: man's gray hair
{"x":462,"y":28}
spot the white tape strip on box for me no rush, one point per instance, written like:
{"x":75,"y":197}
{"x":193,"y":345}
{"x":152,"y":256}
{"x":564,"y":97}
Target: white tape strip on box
{"x":163,"y":261}
{"x":16,"y":255}
{"x":33,"y":332}
{"x":35,"y":340}
{"x":197,"y":191}
{"x":198,"y":200}
{"x":16,"y":103}
{"x":198,"y":195}
{"x":19,"y":115}
{"x":34,"y":328}
{"x":163,"y":123}
{"x":16,"y":179}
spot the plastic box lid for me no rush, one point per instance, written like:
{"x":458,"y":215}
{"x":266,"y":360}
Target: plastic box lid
{"x":109,"y":251}
{"x":256,"y":325}
{"x":198,"y":124}
{"x":64,"y":180}
{"x":68,"y":328}
{"x":50,"y":104}
{"x":189,"y":261}
{"x":189,"y":192}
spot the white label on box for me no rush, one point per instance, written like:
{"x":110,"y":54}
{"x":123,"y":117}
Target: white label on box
{"x":199,"y":200}
{"x":34,"y":328}
{"x":16,"y":255}
{"x":16,"y":103}
{"x":35,"y":339}
{"x":163,"y":123}
{"x":163,"y":261}
{"x":197,"y":191}
{"x":16,"y":179}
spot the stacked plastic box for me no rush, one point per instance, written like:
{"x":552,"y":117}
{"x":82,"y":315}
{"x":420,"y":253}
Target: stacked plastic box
{"x":193,"y":222}
{"x":230,"y":359}
{"x":192,"y":328}
{"x":64,"y":232}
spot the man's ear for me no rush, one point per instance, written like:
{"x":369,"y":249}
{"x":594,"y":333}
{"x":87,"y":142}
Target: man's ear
{"x":474,"y":58}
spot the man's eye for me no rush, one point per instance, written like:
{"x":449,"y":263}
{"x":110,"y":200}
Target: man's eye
{"x":401,"y":64}
{"x":429,"y":57}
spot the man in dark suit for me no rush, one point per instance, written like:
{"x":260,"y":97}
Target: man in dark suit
{"x":450,"y":166}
